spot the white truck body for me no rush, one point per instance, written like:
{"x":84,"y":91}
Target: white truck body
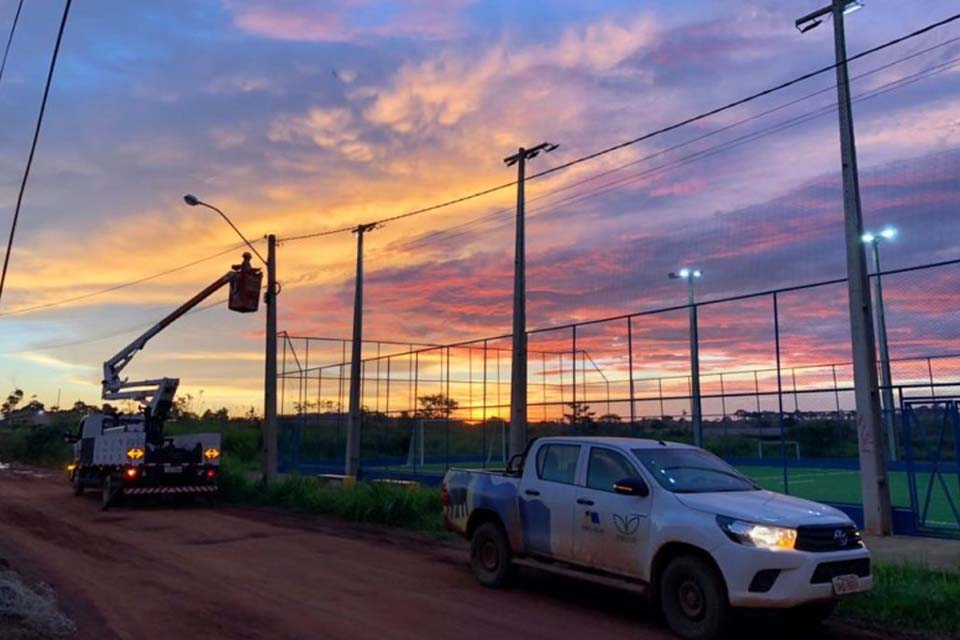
{"x":562,"y":509}
{"x":117,"y":447}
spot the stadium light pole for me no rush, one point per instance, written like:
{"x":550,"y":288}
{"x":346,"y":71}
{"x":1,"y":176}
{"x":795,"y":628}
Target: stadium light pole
{"x":518,"y":377}
{"x":877,"y":513}
{"x":270,"y":355}
{"x":689,"y":275}
{"x":873,"y":240}
{"x":354,"y":417}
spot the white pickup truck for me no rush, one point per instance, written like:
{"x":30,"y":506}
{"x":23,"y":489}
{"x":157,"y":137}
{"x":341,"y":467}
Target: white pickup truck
{"x":672,"y":520}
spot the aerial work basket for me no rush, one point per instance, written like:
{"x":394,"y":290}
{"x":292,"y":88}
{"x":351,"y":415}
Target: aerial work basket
{"x":245,"y":287}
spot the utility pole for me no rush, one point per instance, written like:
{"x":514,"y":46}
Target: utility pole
{"x":877,"y":512}
{"x":270,"y":367}
{"x":696,"y":411}
{"x":518,"y":375}
{"x":269,"y":428}
{"x":354,"y":417}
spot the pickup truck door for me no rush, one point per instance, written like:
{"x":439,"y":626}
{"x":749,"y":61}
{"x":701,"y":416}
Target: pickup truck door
{"x":611,"y":531}
{"x":547,"y":494}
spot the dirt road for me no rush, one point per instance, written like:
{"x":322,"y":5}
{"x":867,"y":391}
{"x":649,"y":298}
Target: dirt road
{"x":168,"y":572}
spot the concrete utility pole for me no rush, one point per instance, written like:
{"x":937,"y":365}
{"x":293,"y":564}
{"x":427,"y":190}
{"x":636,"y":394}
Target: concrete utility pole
{"x":270,"y":366}
{"x":877,"y":512}
{"x":696,"y":411}
{"x":354,"y":418}
{"x":269,"y":429}
{"x":518,"y":377}
{"x":886,"y":380}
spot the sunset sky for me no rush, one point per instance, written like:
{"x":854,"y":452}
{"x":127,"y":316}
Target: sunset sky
{"x":297,"y":116}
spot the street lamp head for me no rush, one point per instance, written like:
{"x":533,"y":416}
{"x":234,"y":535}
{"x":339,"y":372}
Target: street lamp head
{"x":697,"y":273}
{"x":868,"y":237}
{"x":889,"y":233}
{"x":191,"y":199}
{"x":852,"y":7}
{"x":813,"y":20}
{"x":684,"y":273}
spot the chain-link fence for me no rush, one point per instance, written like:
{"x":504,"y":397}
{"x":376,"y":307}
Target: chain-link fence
{"x":776,"y":386}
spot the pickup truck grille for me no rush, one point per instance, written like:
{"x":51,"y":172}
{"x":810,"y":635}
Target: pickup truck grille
{"x":827,"y":571}
{"x":825,"y":538}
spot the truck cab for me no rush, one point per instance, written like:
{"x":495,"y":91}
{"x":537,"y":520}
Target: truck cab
{"x":668,"y":519}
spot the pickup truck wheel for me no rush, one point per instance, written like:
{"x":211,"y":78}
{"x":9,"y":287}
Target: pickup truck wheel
{"x":693,"y":599}
{"x":76,"y":483}
{"x":490,"y":555}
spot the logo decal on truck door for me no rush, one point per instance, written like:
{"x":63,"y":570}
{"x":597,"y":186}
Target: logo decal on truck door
{"x":627,"y":527}
{"x":591,"y":522}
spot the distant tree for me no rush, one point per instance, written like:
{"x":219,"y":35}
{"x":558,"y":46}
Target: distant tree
{"x":83,"y":408}
{"x":10,"y":404}
{"x":436,"y":406}
{"x":580,"y":415}
{"x":183,"y":407}
{"x":251,"y":414}
{"x":610,"y":418}
{"x":34,"y":405}
{"x":220,"y":415}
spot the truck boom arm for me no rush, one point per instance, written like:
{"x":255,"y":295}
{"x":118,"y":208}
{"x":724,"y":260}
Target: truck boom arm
{"x":157,"y":393}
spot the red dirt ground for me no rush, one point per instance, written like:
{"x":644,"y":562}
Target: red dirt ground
{"x":150,"y":572}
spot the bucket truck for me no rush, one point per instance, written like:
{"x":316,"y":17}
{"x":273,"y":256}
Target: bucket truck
{"x":128,"y":454}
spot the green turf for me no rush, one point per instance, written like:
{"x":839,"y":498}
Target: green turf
{"x":823,"y":485}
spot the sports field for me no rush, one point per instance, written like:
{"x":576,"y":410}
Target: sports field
{"x":843,"y":485}
{"x":823,"y":485}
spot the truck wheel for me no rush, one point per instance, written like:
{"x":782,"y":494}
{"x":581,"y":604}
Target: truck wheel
{"x":108,"y":492}
{"x":76,"y":483}
{"x":693,"y":598}
{"x":490,"y":555}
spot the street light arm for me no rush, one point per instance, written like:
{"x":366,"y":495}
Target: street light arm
{"x":812,"y":17}
{"x":234,"y":227}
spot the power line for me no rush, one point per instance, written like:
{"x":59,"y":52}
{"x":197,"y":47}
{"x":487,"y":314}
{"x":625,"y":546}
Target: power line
{"x":124,"y":285}
{"x":415,"y":242}
{"x":646,"y":136}
{"x":33,"y":146}
{"x":13,"y":29}
{"x":802,"y":118}
{"x":114,"y":334}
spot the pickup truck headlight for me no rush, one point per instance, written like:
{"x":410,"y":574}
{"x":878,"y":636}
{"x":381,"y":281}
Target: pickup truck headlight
{"x":758,"y":535}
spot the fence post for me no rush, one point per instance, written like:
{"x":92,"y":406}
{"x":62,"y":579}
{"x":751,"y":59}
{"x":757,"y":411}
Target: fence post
{"x":573,"y":402}
{"x":543,"y":378}
{"x":483,"y":431}
{"x":633,"y":414}
{"x":386,"y":409}
{"x":783,"y":437}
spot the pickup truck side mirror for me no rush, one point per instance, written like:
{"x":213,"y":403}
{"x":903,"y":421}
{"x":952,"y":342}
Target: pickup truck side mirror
{"x":631,"y":487}
{"x":515,"y":465}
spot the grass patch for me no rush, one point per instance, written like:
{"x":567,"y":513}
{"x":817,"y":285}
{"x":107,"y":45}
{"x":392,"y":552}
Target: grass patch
{"x":910,"y":598}
{"x":414,"y":508}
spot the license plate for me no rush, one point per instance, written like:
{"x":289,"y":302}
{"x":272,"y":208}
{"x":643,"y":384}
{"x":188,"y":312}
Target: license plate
{"x":843,"y":585}
{"x":176,"y":468}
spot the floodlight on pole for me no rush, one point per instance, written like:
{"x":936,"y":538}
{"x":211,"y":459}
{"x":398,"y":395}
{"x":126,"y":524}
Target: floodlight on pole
{"x":813,"y":20}
{"x":689,"y":275}
{"x":886,"y":380}
{"x":875,"y":486}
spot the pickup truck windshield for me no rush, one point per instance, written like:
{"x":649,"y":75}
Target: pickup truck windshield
{"x":692,"y":471}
